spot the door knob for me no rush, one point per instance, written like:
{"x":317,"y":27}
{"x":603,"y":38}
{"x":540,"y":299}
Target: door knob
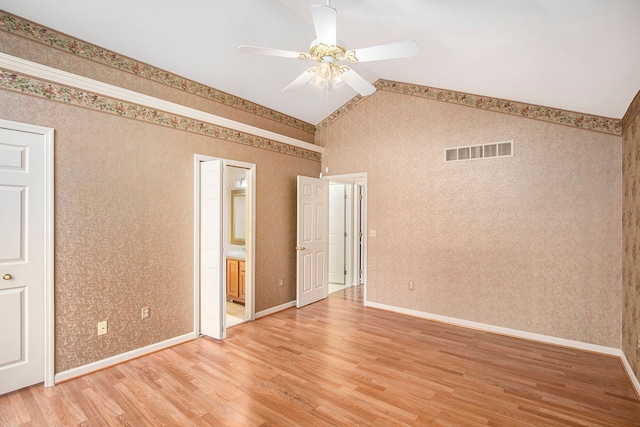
{"x":7,"y":277}
{"x":300,"y":248}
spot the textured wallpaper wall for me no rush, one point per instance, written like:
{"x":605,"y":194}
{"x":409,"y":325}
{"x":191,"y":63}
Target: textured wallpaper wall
{"x":124,"y":195}
{"x":124,"y":226}
{"x":631,"y":236}
{"x":530,"y":242}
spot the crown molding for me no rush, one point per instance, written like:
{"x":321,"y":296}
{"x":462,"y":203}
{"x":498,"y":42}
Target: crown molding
{"x":69,"y":80}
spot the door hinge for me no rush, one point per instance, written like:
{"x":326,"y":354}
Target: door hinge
{"x":360,"y":196}
{"x":345,"y":234}
{"x":345,"y":272}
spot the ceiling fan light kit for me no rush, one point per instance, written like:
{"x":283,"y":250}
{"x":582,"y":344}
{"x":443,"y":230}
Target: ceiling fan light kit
{"x":327,"y":52}
{"x":328,"y":73}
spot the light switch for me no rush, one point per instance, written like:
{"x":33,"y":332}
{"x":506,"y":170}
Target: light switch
{"x":102,"y":328}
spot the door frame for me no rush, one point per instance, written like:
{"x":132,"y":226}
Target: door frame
{"x":353,"y":179}
{"x":249,"y":244}
{"x":49,"y":298}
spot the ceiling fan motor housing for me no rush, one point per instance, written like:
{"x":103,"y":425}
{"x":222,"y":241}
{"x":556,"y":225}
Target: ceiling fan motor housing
{"x":319,"y":51}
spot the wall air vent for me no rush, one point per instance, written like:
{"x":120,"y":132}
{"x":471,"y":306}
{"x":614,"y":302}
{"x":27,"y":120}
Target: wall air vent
{"x":475,"y":152}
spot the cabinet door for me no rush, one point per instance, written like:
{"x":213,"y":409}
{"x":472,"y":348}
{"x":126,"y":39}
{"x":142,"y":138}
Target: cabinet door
{"x":241,"y":280}
{"x":232,"y":279}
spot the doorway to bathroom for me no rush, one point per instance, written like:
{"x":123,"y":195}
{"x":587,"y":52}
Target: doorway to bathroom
{"x":224,"y":216}
{"x":234,"y":218}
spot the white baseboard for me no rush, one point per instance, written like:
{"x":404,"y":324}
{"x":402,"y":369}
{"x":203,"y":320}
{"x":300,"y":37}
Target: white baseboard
{"x":630,"y":373}
{"x":500,"y":330}
{"x":114,"y":360}
{"x":275,"y":309}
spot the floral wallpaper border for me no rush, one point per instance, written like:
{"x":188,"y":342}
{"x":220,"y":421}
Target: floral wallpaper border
{"x":33,"y":31}
{"x":632,"y":112}
{"x":71,"y":96}
{"x":568,"y":118}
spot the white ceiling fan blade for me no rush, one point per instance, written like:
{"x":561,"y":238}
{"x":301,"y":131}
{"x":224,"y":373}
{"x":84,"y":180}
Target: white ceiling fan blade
{"x":358,"y":82}
{"x":384,"y":51}
{"x":324,"y":21}
{"x":301,"y":80}
{"x":272,"y":52}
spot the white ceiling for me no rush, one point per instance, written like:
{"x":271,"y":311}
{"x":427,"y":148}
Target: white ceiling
{"x":579,"y":55}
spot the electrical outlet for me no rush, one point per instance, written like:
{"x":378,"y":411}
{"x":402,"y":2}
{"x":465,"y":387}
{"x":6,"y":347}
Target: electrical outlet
{"x":146,"y":313}
{"x":410,"y":286}
{"x":373,"y":233}
{"x":102,"y":328}
{"x":281,"y":282}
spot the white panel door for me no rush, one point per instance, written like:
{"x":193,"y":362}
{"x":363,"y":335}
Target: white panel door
{"x":312,"y":241}
{"x":212,"y":290}
{"x":22,"y":259}
{"x":337,"y":237}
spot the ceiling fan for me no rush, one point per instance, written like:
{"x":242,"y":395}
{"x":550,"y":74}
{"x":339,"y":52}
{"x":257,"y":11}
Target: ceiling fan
{"x":328,"y":52}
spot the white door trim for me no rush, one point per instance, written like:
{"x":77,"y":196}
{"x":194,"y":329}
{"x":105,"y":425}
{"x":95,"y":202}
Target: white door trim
{"x":250,"y":242}
{"x":358,"y":178}
{"x":49,"y":313}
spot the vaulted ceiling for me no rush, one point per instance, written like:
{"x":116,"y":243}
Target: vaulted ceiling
{"x":578,"y":55}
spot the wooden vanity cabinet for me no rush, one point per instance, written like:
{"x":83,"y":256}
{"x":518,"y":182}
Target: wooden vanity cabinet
{"x":235,"y":280}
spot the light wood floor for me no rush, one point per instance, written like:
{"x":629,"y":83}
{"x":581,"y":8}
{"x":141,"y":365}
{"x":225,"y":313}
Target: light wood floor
{"x":338,"y":363}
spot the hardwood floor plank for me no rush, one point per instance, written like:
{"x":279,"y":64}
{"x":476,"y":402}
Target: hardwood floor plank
{"x":18,"y":406}
{"x":7,"y":414}
{"x":336,"y":362}
{"x":157,"y":404}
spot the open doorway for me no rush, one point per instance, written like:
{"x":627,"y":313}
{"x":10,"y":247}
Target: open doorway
{"x":224,"y":237}
{"x":347,"y":236}
{"x":235,"y":247}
